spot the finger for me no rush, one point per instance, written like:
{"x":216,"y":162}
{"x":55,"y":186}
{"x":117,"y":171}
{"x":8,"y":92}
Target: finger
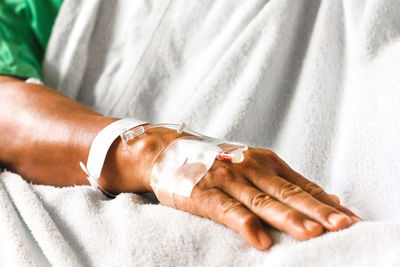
{"x":273,"y":212}
{"x":335,"y":198}
{"x":314,"y":190}
{"x":295,"y":197}
{"x":221,"y":208}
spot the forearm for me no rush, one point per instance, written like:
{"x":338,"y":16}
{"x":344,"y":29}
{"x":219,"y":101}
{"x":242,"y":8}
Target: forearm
{"x":45,"y":134}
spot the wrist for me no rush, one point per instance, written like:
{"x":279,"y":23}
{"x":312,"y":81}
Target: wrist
{"x":106,"y":165}
{"x":118,"y":171}
{"x":128,"y":166}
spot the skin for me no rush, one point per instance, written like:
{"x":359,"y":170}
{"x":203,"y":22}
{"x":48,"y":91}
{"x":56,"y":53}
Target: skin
{"x":45,"y":134}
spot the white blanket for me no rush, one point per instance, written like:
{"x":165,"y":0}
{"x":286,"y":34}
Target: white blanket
{"x":318,"y":82}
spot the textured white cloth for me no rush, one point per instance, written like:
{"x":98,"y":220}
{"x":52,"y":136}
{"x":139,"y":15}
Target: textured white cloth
{"x":318,"y":82}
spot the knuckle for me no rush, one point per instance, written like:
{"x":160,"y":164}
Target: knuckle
{"x":248,"y":222}
{"x":250,"y":161}
{"x":218,"y":176}
{"x":272,"y":155}
{"x":291,"y":216}
{"x":313,"y":189}
{"x":271,"y":159}
{"x":288,"y":191}
{"x":322,"y":209}
{"x":223,"y":172}
{"x":260,"y":200}
{"x":229,"y":205}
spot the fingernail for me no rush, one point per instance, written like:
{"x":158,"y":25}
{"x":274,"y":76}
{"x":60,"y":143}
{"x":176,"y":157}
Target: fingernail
{"x":340,"y":220}
{"x":312,"y":226}
{"x":355,"y":220}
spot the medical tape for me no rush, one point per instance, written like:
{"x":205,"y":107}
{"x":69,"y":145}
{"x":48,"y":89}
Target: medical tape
{"x":99,"y":148}
{"x":177,"y":168}
{"x":185,"y":161}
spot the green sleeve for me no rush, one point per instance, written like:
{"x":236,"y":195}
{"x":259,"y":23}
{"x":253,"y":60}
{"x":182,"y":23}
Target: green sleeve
{"x":25,"y":27}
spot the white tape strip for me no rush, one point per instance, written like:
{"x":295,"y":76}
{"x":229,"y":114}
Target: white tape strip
{"x":100,"y":147}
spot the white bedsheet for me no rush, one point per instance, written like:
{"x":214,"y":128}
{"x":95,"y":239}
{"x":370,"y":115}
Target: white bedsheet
{"x":316,"y":81}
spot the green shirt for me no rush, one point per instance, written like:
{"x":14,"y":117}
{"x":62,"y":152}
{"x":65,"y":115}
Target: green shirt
{"x":25,"y":27}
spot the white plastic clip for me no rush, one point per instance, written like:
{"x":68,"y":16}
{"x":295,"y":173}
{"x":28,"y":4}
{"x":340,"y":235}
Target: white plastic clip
{"x":131,"y":134}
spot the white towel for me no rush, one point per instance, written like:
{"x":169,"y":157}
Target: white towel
{"x":42,"y":225}
{"x":318,"y":82}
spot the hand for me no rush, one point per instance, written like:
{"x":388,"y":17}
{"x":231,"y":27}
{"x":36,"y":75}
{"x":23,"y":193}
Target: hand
{"x":262,"y":189}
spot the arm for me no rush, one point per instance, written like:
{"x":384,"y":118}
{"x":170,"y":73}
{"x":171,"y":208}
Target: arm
{"x":45,"y":135}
